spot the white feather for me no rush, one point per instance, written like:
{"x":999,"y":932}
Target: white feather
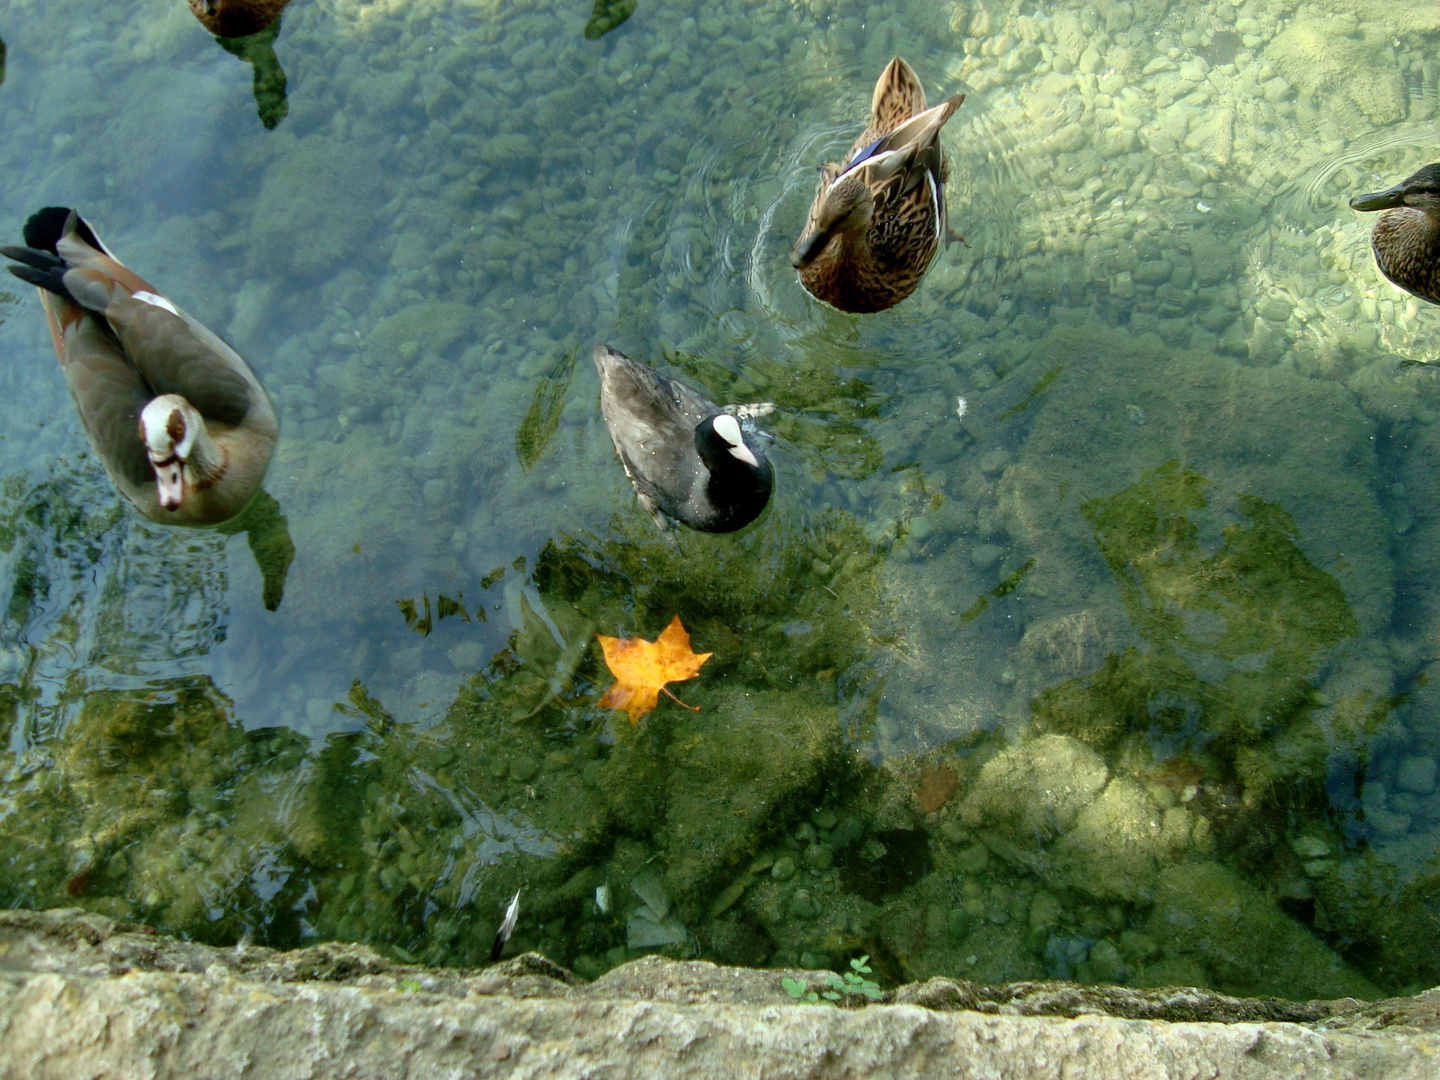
{"x":155,"y":301}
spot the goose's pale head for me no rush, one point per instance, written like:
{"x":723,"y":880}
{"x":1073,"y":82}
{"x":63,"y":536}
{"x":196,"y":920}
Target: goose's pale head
{"x":168,"y":427}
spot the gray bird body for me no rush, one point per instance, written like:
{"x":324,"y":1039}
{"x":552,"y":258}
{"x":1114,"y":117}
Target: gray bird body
{"x":121,"y":345}
{"x":682,"y":470}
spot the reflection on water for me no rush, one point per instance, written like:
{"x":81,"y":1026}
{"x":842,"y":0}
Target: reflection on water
{"x":606,"y":15}
{"x":258,"y":50}
{"x":1088,"y":633}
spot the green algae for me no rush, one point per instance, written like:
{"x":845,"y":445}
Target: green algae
{"x":1256,"y":602}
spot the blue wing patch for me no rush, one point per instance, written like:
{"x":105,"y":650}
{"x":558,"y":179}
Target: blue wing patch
{"x":863,"y":154}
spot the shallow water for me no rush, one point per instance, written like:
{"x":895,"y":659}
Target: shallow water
{"x":1089,"y":633}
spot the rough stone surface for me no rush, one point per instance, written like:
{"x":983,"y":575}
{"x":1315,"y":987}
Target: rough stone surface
{"x":83,"y":996}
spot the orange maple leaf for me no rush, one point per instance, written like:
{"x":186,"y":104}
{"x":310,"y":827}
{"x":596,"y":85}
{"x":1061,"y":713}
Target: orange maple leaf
{"x":642,"y":668}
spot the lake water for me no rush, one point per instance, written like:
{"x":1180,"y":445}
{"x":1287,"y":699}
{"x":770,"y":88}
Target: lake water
{"x":1090,"y":634}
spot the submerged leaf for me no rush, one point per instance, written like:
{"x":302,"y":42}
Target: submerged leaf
{"x":642,"y":668}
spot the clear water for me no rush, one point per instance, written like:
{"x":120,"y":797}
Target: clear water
{"x":1090,"y":632}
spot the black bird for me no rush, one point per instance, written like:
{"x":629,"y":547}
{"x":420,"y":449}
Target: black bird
{"x":1406,"y":240}
{"x":690,"y":460}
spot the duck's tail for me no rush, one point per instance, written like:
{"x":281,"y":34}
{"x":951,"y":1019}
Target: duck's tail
{"x":898,"y":96}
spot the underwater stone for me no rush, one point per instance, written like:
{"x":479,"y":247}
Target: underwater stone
{"x":802,"y":905}
{"x":1137,"y":946}
{"x":818,"y":857}
{"x":1116,"y":845}
{"x":1045,"y":912}
{"x":1207,"y":913}
{"x":1106,"y":964}
{"x":973,"y":859}
{"x":784,"y":868}
{"x":1152,"y":271}
{"x":1388,"y":823}
{"x":1309,"y":847}
{"x":1416,"y":775}
{"x":1033,"y":791}
{"x":984,"y":556}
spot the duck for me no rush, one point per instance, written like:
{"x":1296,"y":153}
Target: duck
{"x":878,"y":218}
{"x":1406,"y":240}
{"x":236,"y":18}
{"x":179,"y":421}
{"x":690,"y":461}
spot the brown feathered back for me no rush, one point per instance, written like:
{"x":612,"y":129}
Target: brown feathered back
{"x":236,"y":18}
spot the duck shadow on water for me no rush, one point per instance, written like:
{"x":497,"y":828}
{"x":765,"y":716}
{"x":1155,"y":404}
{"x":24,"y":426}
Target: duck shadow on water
{"x":606,"y":15}
{"x":267,"y":531}
{"x":257,"y":48}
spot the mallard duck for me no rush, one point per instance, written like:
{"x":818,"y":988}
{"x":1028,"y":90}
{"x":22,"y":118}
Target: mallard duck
{"x":1406,"y":240}
{"x":236,"y":18}
{"x":878,"y":219}
{"x":690,"y":460}
{"x":179,"y":421}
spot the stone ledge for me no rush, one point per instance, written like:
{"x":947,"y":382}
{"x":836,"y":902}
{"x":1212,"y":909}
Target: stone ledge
{"x":82,"y":996}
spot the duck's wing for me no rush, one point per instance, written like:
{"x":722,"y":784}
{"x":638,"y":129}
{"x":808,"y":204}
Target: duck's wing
{"x":172,"y":352}
{"x":108,"y":391}
{"x":908,"y":166}
{"x":652,"y":423}
{"x":909,"y":152}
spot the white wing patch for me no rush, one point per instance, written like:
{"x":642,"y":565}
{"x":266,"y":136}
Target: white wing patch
{"x":939,"y":209}
{"x":864,"y":163}
{"x":155,"y":301}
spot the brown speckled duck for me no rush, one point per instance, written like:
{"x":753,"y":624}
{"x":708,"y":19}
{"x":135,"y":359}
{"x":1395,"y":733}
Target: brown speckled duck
{"x":1406,"y":240}
{"x":179,"y":421}
{"x":236,"y":18}
{"x":878,"y":219}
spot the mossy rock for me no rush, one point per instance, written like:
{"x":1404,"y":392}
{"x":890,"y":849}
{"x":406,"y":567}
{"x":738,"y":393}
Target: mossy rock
{"x":316,"y":208}
{"x":1206,"y":912}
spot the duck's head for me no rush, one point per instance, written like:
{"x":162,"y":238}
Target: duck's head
{"x":719,"y":436}
{"x":168,"y":427}
{"x":1421,"y":191}
{"x":847,"y":208}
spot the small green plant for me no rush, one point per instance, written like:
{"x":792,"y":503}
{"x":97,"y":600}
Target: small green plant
{"x":410,"y":986}
{"x":852,"y":982}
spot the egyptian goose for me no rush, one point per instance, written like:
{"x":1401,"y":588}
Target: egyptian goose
{"x":179,"y":421}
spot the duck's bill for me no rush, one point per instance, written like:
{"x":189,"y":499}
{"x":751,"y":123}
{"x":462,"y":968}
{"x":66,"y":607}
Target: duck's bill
{"x":1381,"y":200}
{"x":743,"y":453}
{"x":807,"y":249}
{"x":170,"y":485}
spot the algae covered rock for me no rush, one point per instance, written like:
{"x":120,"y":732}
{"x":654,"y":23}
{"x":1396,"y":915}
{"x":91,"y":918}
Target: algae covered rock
{"x":1207,"y":913}
{"x":1035,"y":791}
{"x":1050,"y":806}
{"x":1248,"y":574}
{"x":316,"y":208}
